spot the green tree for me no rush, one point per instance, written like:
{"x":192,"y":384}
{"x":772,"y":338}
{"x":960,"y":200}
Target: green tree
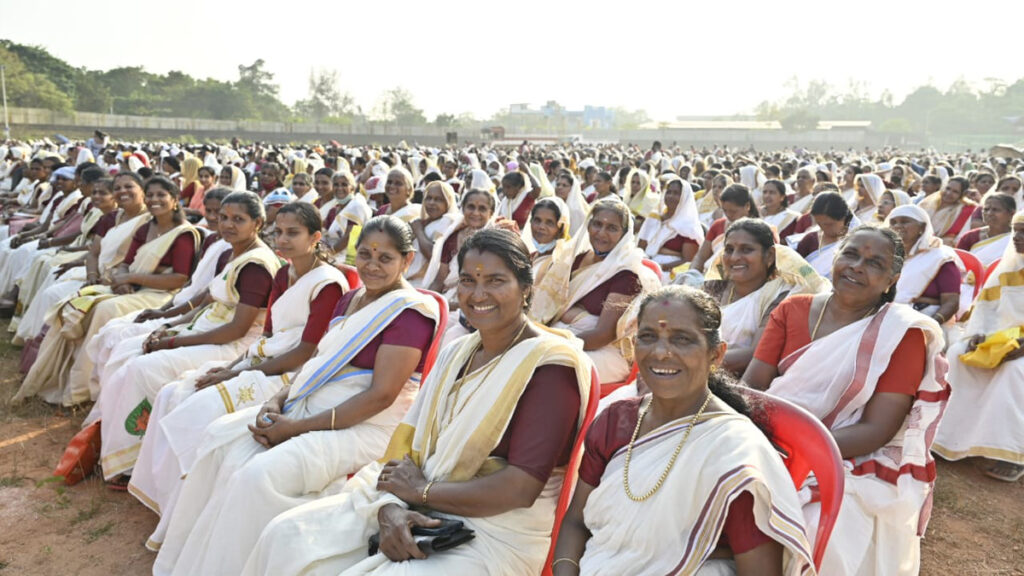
{"x":325,"y":99}
{"x":30,"y":90}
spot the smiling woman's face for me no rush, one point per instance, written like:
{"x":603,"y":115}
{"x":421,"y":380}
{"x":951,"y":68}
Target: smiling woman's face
{"x":489,"y":293}
{"x":672,"y":352}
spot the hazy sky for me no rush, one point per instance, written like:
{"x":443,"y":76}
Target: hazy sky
{"x":670,"y":58}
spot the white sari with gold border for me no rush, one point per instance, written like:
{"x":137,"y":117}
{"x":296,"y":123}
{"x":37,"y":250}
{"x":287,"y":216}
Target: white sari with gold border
{"x":236,"y":486}
{"x":451,"y":442}
{"x":676,"y":530}
{"x":888,"y":495}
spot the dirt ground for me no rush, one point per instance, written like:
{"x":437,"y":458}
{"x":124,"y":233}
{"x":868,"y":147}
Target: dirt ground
{"x":977,"y":526}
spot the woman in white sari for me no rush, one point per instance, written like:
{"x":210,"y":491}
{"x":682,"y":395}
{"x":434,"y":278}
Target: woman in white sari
{"x":986,"y":371}
{"x":872,"y":372}
{"x":870,"y":188}
{"x":437,"y":214}
{"x":602,"y":273}
{"x":804,"y":190}
{"x":45,"y":268}
{"x":233,"y":177}
{"x":457,"y":454}
{"x":833,"y":218}
{"x":931,"y":276}
{"x":157,"y":264}
{"x":673,"y":235}
{"x":949,"y":209}
{"x":710,"y":204}
{"x":736,"y":203}
{"x":519,"y":191}
{"x":753,"y":178}
{"x":724,"y":503}
{"x":989,"y":243}
{"x":753,"y":276}
{"x":775,"y":209}
{"x":399,"y":188}
{"x":546,"y":231}
{"x":477,"y":212}
{"x":303,"y":299}
{"x":638,"y":195}
{"x":567,"y":187}
{"x":887,"y":201}
{"x":346,"y":219}
{"x":122,"y":337}
{"x":228,"y":319}
{"x":336,"y":416}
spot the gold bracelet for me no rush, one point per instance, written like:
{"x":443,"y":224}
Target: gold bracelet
{"x":190,"y":306}
{"x":332,"y":417}
{"x":570,"y":560}
{"x":426,"y":489}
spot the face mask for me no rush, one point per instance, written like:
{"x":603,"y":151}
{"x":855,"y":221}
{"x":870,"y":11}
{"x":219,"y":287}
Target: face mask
{"x":542,"y":248}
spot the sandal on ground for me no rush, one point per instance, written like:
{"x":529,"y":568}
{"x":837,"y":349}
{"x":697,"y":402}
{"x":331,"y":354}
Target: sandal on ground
{"x":120,"y":483}
{"x":1005,"y":471}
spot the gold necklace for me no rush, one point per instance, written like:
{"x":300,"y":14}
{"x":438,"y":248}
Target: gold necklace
{"x":822,"y":315}
{"x":457,"y":388}
{"x":671,"y":462}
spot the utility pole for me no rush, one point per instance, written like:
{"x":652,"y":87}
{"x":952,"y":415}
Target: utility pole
{"x":3,"y":86}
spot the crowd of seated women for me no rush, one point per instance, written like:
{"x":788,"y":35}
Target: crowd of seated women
{"x":259,"y":336}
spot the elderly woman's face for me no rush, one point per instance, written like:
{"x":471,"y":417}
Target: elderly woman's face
{"x":544,"y":225}
{"x":341,"y":188}
{"x":605,"y":230}
{"x":397,"y":190}
{"x":995,"y":214}
{"x":635,"y":184}
{"x":434,"y":202}
{"x":910,"y":230}
{"x":1018,"y":238}
{"x":672,"y":352}
{"x":477,"y":210}
{"x":864,"y":266}
{"x":489,"y":293}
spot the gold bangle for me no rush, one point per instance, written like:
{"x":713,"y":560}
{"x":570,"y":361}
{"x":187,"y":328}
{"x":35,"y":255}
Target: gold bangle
{"x":570,"y":560}
{"x":190,"y":306}
{"x":332,"y":417}
{"x":426,"y":489}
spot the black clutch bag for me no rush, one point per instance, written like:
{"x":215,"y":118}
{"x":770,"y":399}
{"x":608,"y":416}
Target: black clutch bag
{"x":448,"y":535}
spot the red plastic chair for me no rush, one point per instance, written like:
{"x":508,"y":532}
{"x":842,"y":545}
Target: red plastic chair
{"x":809,"y":447}
{"x":351,"y":275}
{"x":654,"y":266}
{"x":571,"y":473}
{"x":442,"y":322}
{"x":991,"y":268}
{"x":972,"y":264}
{"x":607,"y":389}
{"x":610,"y":387}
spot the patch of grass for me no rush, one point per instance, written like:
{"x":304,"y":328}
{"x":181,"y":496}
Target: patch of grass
{"x":12,"y":481}
{"x":97,"y":533}
{"x":89,"y":514}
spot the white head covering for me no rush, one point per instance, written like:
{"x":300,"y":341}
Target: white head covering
{"x":752,"y":177}
{"x":685,"y":221}
{"x":873,"y":185}
{"x":237,"y":179}
{"x":563,"y":221}
{"x":927,"y":241}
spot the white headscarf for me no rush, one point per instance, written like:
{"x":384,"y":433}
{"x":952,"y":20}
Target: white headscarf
{"x":927,"y":241}
{"x":685,"y":221}
{"x":752,"y":177}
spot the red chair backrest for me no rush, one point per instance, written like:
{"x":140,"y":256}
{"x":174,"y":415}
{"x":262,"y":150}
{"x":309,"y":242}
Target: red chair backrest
{"x":991,"y":268}
{"x":972,"y":264}
{"x":571,"y":473}
{"x":442,"y":322}
{"x":809,"y":447}
{"x":351,"y":276}
{"x":654,"y":266}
